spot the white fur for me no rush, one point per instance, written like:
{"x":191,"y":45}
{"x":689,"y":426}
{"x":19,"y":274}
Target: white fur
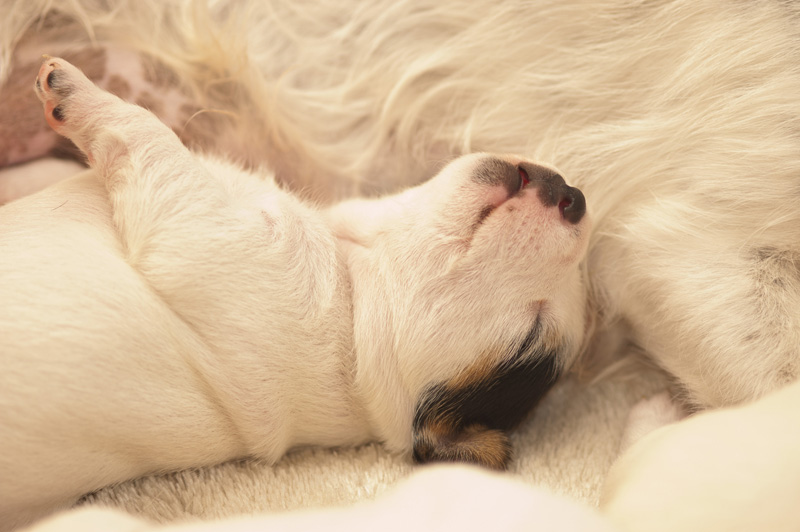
{"x":167,"y":311}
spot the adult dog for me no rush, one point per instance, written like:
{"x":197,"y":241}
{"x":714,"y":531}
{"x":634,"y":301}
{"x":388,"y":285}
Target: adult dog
{"x":171,"y":311}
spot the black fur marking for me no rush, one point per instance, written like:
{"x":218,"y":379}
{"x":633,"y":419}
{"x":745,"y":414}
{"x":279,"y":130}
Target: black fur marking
{"x":498,"y":401}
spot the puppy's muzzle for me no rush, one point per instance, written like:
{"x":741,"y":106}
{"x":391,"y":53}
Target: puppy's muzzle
{"x":554,"y":191}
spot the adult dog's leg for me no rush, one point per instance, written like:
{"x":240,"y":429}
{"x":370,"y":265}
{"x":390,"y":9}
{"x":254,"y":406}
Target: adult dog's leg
{"x":722,"y":318}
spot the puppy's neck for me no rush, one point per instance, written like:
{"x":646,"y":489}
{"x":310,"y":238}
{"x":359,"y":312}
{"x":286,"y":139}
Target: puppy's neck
{"x":377,"y":386}
{"x":330,"y":410}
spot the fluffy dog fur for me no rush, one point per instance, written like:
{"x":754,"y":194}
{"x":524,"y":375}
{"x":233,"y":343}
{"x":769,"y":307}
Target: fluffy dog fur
{"x":196,"y":313}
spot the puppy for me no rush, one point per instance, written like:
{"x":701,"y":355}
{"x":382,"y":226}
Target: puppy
{"x":166,"y":311}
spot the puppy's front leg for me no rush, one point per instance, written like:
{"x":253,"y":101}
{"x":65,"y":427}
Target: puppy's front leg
{"x":188,"y":229}
{"x":154,"y":182}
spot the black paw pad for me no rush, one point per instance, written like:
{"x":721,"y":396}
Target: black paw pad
{"x":58,"y":114}
{"x":52,"y":79}
{"x":58,"y":83}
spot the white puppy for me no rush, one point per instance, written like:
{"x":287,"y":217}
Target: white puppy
{"x":167,"y":311}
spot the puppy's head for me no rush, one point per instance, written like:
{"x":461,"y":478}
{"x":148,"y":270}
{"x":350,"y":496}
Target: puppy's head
{"x":468,"y":303}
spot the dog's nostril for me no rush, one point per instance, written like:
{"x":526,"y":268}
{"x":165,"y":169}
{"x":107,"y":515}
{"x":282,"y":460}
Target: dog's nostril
{"x":572,"y":205}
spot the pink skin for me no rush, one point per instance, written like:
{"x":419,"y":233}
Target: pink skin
{"x":122,"y":70}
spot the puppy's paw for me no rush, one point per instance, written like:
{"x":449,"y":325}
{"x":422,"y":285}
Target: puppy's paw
{"x":57,"y":85}
{"x":474,"y":444}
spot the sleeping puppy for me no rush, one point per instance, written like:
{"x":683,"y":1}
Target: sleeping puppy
{"x":165,"y":311}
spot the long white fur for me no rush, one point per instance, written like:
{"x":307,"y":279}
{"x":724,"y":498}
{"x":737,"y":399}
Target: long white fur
{"x":168,"y":311}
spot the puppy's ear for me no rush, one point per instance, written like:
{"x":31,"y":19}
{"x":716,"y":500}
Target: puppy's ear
{"x":467,"y":418}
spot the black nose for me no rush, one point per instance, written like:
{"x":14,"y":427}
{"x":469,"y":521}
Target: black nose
{"x":554,"y":191}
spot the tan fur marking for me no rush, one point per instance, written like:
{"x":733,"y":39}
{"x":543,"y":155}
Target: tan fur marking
{"x":443,"y":439}
{"x":440,"y":441}
{"x":481,"y":370}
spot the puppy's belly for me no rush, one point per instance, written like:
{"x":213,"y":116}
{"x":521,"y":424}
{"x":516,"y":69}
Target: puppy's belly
{"x":100,"y":381}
